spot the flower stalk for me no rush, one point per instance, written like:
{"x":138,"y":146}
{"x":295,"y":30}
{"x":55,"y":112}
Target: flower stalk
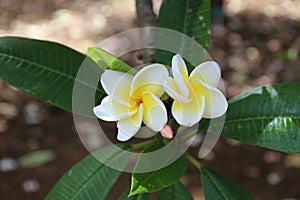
{"x":193,"y":160}
{"x":144,"y":144}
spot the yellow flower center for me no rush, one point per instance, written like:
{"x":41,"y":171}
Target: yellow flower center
{"x":135,"y":101}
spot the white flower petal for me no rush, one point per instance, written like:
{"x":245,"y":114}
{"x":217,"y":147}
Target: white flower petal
{"x":117,"y":85}
{"x":178,"y":65}
{"x":188,"y":114}
{"x":209,"y":72}
{"x":128,"y":127}
{"x":172,"y":90}
{"x":149,"y":79}
{"x":216,"y":103}
{"x":180,"y":75}
{"x":110,"y":110}
{"x":155,"y":113}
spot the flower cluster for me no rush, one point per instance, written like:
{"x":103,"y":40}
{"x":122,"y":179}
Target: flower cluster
{"x":135,"y":99}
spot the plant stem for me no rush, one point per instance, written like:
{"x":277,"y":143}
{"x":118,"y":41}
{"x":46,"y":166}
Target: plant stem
{"x":144,"y":144}
{"x":189,"y":135}
{"x":192,"y":133}
{"x":193,"y":160}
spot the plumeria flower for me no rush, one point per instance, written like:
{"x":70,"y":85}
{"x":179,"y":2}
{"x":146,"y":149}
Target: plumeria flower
{"x":195,"y":96}
{"x":134,"y":99}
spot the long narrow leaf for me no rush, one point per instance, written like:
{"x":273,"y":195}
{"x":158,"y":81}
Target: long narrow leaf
{"x":176,"y":191}
{"x":108,"y":61}
{"x":189,"y":17}
{"x":217,"y":186}
{"x":157,"y":179}
{"x":90,"y":179}
{"x":144,"y":196}
{"x":47,"y":71}
{"x":267,"y":116}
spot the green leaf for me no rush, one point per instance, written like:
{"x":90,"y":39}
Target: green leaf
{"x":217,"y":186}
{"x":47,"y":71}
{"x":107,"y":60}
{"x":156,"y":180}
{"x":267,"y":116}
{"x":189,"y":17}
{"x":144,"y":196}
{"x":36,"y":158}
{"x":176,"y":191}
{"x":90,"y":179}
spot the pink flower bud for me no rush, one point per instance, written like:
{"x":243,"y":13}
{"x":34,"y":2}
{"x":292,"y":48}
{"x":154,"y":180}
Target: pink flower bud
{"x":167,"y":132}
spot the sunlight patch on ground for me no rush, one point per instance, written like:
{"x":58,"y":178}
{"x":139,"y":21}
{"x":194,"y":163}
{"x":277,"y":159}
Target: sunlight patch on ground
{"x":270,"y":8}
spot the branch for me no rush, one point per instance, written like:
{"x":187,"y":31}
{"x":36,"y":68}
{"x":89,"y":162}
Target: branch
{"x":146,"y":18}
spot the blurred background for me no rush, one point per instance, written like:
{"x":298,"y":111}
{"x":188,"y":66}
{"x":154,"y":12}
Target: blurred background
{"x":255,"y":42}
